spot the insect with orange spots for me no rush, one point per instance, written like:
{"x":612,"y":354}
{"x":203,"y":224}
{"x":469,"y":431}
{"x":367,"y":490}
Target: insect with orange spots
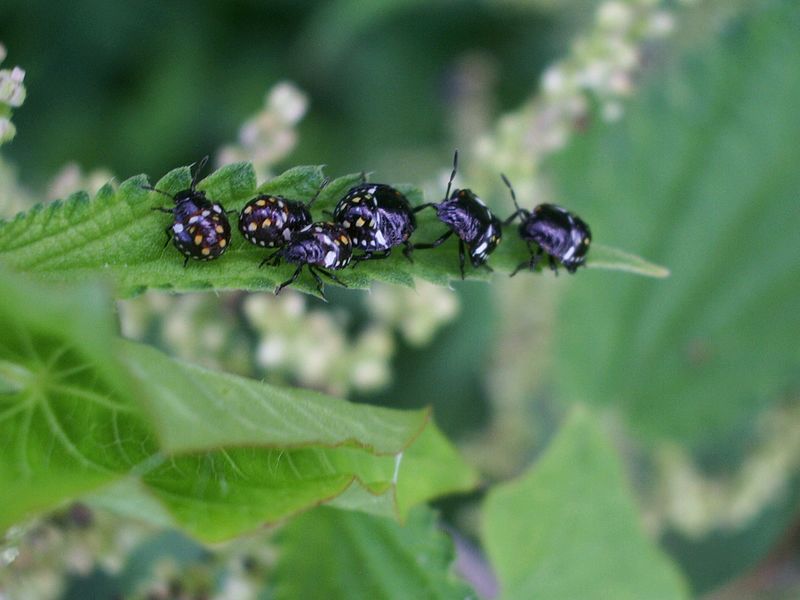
{"x":270,"y":221}
{"x":200,"y":227}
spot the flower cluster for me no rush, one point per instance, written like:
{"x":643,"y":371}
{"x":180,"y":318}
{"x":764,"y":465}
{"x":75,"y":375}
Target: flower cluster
{"x":12,"y":95}
{"x":313,"y":348}
{"x":602,"y":67}
{"x":36,"y":557}
{"x":269,"y":136}
{"x":71,"y":178}
{"x":695,"y":504}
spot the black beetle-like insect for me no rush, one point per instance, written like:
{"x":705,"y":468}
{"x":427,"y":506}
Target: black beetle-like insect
{"x":377,"y":218}
{"x":321,"y":246}
{"x":270,"y":221}
{"x":200,"y":227}
{"x":477,"y":228}
{"x":560,"y":234}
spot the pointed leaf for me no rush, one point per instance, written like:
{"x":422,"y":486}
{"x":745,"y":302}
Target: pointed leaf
{"x":568,"y":528}
{"x":702,"y":176}
{"x":360,"y":556}
{"x":118,"y":236}
{"x":80,"y":409}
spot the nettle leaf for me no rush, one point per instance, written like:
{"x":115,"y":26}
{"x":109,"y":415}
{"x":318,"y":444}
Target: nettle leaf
{"x":118,"y":236}
{"x":569,"y":527}
{"x":68,"y":422}
{"x":703,"y":172}
{"x":80,"y":409}
{"x":701,"y":175}
{"x":361,"y":556}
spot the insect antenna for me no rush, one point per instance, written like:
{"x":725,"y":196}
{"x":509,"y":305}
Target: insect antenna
{"x":150,"y":188}
{"x":199,"y":169}
{"x":452,"y":175}
{"x":511,"y":189}
{"x":322,"y":185}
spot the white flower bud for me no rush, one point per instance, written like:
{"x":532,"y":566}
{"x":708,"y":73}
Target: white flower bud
{"x":614,"y":15}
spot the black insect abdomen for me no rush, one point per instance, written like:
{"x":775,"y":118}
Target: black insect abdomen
{"x":325,"y":245}
{"x":459,"y":218}
{"x":200,"y":229}
{"x":270,"y":221}
{"x":551,"y":236}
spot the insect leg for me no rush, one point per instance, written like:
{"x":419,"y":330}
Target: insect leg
{"x":289,"y":281}
{"x":168,"y":233}
{"x":332,"y":277}
{"x":433,"y":244}
{"x":408,"y":248}
{"x":421,"y":207}
{"x":461,"y":257}
{"x":272,"y":260}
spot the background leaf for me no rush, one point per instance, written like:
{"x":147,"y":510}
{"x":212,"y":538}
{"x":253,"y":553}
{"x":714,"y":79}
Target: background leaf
{"x":223,"y":454}
{"x":568,"y":528}
{"x":361,"y":556}
{"x":702,"y":176}
{"x":67,"y":420}
{"x":119,"y":237}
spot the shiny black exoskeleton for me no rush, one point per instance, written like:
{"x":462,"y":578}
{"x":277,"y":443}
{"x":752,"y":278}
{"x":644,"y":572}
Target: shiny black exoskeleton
{"x":563,"y":236}
{"x":377,"y":218}
{"x":320,"y":246}
{"x":270,"y":221}
{"x":200,"y":227}
{"x":477,"y":228}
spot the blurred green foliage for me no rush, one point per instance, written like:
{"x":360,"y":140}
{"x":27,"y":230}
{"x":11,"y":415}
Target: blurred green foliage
{"x":137,"y":87}
{"x":698,"y":175}
{"x":701,"y":176}
{"x":569,"y":527}
{"x":359,"y":556}
{"x":80,"y":409}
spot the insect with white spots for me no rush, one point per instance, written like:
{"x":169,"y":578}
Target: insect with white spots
{"x":200,"y":227}
{"x":321,"y":246}
{"x":558,"y":233}
{"x":377,"y":217}
{"x":479,"y":231}
{"x":270,"y":221}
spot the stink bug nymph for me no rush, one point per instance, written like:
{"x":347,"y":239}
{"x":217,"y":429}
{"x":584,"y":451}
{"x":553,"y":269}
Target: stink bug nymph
{"x":377,"y":218}
{"x":560,"y":234}
{"x":200,"y":227}
{"x":320,"y":246}
{"x":479,"y":231}
{"x":270,"y":221}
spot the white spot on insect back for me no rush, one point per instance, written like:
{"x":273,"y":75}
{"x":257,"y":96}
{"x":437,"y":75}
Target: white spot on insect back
{"x":194,"y":219}
{"x":481,"y":249}
{"x":206,"y":213}
{"x":287,"y":234}
{"x":372,"y":190}
{"x":380,"y":238}
{"x":568,"y":254}
{"x":217,"y":208}
{"x":177,"y":228}
{"x":330,"y":258}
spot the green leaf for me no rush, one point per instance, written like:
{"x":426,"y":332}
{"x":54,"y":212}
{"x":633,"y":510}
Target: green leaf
{"x":67,"y":420}
{"x":568,"y":528}
{"x":328,"y":553}
{"x":222,"y":454}
{"x":702,"y":176}
{"x":119,"y":237}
